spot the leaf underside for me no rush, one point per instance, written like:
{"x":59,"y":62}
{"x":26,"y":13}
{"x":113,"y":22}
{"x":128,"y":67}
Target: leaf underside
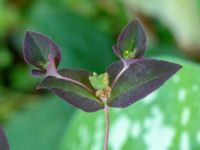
{"x":141,"y":78}
{"x":71,"y":92}
{"x":37,"y":47}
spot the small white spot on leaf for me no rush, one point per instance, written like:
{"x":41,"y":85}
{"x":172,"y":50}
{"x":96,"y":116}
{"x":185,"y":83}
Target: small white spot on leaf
{"x":157,"y":118}
{"x":158,"y":136}
{"x":84,"y":137}
{"x":136,"y":129}
{"x":119,"y":132}
{"x":176,"y":78}
{"x":150,"y":98}
{"x":184,"y":141}
{"x":185,"y":116}
{"x":116,"y":111}
{"x":195,"y":88}
{"x":182,"y":94}
{"x":98,"y":136}
{"x":198,"y":136}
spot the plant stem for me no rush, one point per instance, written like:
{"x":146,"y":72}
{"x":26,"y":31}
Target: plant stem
{"x":120,"y":73}
{"x":106,"y":110}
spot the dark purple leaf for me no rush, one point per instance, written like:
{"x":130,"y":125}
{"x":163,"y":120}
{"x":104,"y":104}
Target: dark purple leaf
{"x":114,"y":70}
{"x":81,"y":76}
{"x":132,"y":40}
{"x":3,"y":141}
{"x":117,"y":51}
{"x":36,"y":72}
{"x":75,"y":88}
{"x":141,"y":78}
{"x":38,"y":49}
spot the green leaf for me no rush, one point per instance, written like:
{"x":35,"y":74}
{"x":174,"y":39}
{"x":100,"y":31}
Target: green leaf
{"x":39,"y":125}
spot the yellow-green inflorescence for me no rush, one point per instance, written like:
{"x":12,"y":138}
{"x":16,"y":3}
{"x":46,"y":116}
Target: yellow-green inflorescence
{"x":127,"y":54}
{"x":44,"y":65}
{"x":101,"y":84}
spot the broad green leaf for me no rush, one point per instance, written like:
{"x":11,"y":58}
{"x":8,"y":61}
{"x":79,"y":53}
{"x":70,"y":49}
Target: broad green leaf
{"x":39,"y":125}
{"x":139,"y":79}
{"x":75,"y":89}
{"x":168,"y":119}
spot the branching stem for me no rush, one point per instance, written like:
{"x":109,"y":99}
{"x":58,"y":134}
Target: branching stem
{"x":125,"y":67}
{"x":106,"y":110}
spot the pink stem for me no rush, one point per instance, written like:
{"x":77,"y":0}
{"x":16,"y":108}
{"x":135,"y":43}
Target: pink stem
{"x":74,"y":81}
{"x":52,"y":71}
{"x":106,"y":110}
{"x":125,"y":67}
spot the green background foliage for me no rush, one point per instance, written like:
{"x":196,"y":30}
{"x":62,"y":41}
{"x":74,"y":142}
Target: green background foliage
{"x":85,"y":31}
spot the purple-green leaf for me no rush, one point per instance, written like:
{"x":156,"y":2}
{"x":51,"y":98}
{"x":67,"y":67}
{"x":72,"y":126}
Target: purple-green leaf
{"x":36,"y":72}
{"x":131,"y":42}
{"x":74,"y":87}
{"x":139,"y":79}
{"x":3,"y":140}
{"x":39,"y":50}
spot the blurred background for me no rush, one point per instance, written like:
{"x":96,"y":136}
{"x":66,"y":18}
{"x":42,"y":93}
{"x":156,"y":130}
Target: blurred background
{"x":85,"y":30}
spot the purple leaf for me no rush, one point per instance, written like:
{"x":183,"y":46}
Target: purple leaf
{"x":36,"y":72}
{"x":41,"y":52}
{"x":74,"y":87}
{"x":3,"y":140}
{"x":138,"y":80}
{"x":131,"y":42}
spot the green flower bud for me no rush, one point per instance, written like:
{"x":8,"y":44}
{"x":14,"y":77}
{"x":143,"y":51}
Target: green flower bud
{"x":100,"y":81}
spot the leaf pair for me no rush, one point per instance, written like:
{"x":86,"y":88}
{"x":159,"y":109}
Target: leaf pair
{"x":130,"y":79}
